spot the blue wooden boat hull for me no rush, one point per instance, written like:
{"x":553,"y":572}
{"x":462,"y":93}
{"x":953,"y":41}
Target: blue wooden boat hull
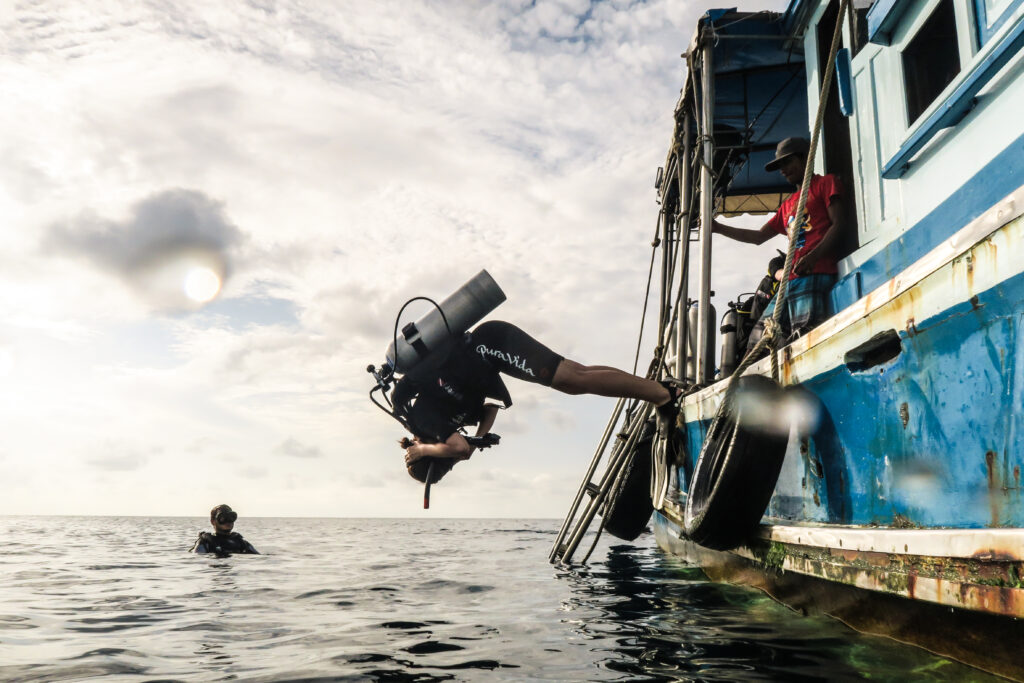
{"x":909,"y":482}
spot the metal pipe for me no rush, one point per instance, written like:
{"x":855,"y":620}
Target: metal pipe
{"x":685,"y":196}
{"x":586,"y":480}
{"x":663,"y":297}
{"x":701,"y":374}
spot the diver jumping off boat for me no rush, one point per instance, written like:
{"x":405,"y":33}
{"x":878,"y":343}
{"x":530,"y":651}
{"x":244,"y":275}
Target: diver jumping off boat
{"x":448,"y":380}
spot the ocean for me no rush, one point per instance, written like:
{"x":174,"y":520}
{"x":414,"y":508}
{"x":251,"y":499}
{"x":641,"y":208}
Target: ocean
{"x":398,"y":600}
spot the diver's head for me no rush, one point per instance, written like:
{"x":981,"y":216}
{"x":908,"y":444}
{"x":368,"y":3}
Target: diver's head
{"x":418,"y":468}
{"x":223,"y":518}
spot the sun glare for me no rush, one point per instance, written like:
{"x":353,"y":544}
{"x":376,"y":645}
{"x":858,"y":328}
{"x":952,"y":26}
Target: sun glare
{"x":201,"y":284}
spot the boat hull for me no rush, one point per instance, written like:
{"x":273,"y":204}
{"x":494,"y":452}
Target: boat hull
{"x":916,"y":391}
{"x":871,"y":593}
{"x":905,"y":494}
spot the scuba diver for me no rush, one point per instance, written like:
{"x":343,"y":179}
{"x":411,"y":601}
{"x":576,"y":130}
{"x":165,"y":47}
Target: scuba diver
{"x":447,"y":378}
{"x":437,"y":400}
{"x":223,"y":541}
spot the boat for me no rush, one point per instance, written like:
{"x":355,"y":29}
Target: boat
{"x":897,"y":505}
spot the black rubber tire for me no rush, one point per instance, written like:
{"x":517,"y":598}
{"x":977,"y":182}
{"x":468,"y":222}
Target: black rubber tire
{"x":735,"y":474}
{"x":633,"y":509}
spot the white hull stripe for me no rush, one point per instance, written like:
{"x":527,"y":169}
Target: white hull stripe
{"x":979,"y":544}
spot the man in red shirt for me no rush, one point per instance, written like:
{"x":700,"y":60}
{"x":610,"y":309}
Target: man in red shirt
{"x":818,"y":237}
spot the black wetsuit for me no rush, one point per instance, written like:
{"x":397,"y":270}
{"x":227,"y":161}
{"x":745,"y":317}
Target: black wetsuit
{"x":450,"y":392}
{"x":223,"y":545}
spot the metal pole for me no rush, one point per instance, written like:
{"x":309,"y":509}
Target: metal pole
{"x":702,"y":373}
{"x":659,"y":459}
{"x":663,"y":299}
{"x":685,"y":195}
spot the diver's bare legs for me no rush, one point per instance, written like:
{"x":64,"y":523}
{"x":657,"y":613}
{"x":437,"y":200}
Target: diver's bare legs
{"x":573,"y":378}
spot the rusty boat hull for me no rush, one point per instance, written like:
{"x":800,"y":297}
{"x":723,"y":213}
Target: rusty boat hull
{"x":954,"y":606}
{"x":906,"y":496}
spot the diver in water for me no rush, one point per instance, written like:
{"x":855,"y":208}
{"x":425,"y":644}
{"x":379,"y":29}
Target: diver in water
{"x":436,"y":400}
{"x":224,"y":541}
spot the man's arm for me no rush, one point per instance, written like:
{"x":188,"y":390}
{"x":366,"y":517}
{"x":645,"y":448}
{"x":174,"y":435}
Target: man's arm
{"x":828,"y":243}
{"x":759,"y":236}
{"x":456,"y":445}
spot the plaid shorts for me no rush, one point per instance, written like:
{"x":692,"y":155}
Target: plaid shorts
{"x":808,"y":304}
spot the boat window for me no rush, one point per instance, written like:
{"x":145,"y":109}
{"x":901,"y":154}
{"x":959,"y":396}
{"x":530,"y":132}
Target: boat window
{"x":991,"y":14}
{"x":931,"y":60}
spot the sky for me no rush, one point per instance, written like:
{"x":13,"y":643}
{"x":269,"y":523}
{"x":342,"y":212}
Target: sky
{"x":212,"y":214}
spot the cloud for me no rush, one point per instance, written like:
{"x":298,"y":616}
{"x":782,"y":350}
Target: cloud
{"x":127,"y":460}
{"x":292,"y":448}
{"x":164,"y":236}
{"x":331,"y":161}
{"x":253,"y":472}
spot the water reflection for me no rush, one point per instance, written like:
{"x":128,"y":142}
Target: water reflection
{"x":657,"y":619}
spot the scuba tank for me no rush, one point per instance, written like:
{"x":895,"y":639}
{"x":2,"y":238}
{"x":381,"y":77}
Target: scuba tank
{"x":453,"y":316}
{"x":728,"y":330}
{"x":691,"y":344}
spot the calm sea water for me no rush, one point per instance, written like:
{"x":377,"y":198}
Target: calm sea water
{"x":397,"y":600}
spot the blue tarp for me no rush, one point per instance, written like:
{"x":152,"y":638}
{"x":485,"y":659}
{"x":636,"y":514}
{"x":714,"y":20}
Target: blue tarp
{"x":760,"y":97}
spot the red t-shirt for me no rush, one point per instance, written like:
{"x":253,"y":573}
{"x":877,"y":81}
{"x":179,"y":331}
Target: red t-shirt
{"x":823,"y":191}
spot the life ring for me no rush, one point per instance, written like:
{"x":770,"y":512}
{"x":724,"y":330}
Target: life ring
{"x":631,"y":510}
{"x":737,"y":469}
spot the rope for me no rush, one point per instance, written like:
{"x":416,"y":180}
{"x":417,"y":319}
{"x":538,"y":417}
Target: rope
{"x":772,"y":327}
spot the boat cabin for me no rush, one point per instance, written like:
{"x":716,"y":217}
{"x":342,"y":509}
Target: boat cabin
{"x":922,"y":125}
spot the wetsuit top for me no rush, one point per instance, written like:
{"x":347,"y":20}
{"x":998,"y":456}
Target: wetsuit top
{"x":214,"y":543}
{"x":436,"y":401}
{"x":450,"y":392}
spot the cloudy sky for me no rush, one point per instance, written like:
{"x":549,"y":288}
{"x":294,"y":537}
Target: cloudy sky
{"x":324,"y":162}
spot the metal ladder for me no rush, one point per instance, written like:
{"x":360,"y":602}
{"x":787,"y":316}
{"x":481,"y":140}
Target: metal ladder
{"x":568,"y":540}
